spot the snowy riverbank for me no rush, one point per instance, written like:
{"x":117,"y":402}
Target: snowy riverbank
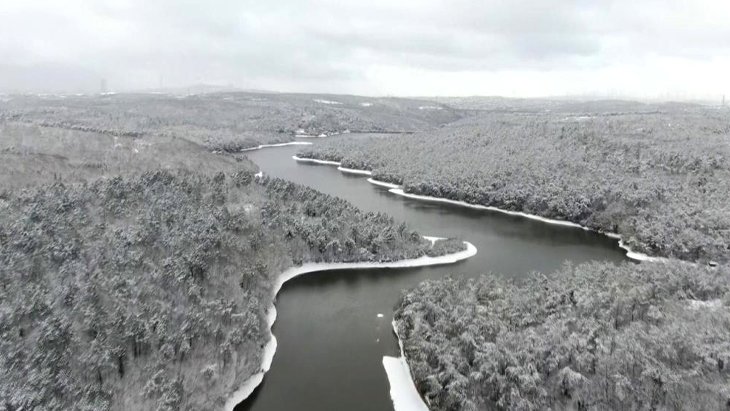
{"x":398,"y":190}
{"x":630,"y":253}
{"x":315,"y":161}
{"x":270,"y":348}
{"x":292,"y":143}
{"x":355,"y":171}
{"x":403,"y":389}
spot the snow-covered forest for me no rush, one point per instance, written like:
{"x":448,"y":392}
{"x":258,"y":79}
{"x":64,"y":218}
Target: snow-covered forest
{"x":135,"y":271}
{"x":224,"y":121}
{"x":659,"y":178}
{"x":138,"y":248}
{"x":590,"y":337}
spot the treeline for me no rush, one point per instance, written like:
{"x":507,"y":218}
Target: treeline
{"x":659,"y":179}
{"x":150,"y":292}
{"x":595,"y":336}
{"x":226,"y":122}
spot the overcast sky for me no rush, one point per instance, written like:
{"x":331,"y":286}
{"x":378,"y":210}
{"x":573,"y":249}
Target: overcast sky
{"x":666,"y":49}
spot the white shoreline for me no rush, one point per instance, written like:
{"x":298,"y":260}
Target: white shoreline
{"x":382,"y":183}
{"x":292,"y":143}
{"x":315,"y":161}
{"x":403,"y":391}
{"x":630,"y":253}
{"x":252,"y":382}
{"x":398,"y":190}
{"x":355,"y":171}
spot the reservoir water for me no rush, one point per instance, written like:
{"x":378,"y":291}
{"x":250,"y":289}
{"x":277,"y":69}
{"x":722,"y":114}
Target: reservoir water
{"x":330,"y":339}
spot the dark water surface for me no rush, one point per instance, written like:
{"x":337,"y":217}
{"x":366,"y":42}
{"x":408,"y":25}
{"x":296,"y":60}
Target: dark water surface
{"x":331,"y":342}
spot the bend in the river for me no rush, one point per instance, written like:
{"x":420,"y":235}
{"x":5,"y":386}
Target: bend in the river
{"x":331,"y":340}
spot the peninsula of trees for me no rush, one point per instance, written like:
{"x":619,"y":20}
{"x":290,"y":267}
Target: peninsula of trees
{"x":135,"y":271}
{"x":660,"y":179}
{"x":596,"y":336}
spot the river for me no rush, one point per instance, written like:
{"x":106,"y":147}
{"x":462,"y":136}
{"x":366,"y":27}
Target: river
{"x":330,"y":339}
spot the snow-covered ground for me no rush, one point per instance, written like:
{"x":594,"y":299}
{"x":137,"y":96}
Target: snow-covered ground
{"x":302,"y":134}
{"x":331,"y":102}
{"x":382,"y":183}
{"x":292,"y":143}
{"x":709,"y":304}
{"x":315,"y":161}
{"x":334,"y":163}
{"x":355,"y":171}
{"x":403,"y":391}
{"x":270,"y":348}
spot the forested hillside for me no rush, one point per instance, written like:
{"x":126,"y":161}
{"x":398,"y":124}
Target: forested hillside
{"x":32,"y":155}
{"x":659,"y":179}
{"x":590,"y":337}
{"x":135,"y":272}
{"x":225,"y":121}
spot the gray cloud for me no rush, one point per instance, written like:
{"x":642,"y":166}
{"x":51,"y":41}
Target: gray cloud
{"x":330,"y":45}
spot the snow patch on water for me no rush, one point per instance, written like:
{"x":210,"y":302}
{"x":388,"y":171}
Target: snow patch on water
{"x":270,"y":348}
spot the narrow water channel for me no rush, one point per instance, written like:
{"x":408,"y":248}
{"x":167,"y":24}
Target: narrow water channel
{"x":330,"y":339}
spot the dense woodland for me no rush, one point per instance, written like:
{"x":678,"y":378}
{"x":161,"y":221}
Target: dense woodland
{"x":592,"y":337}
{"x":32,"y":155}
{"x":135,"y":272}
{"x":224,"y":121}
{"x":596,"y":336}
{"x":138,"y":251}
{"x":660,"y":178}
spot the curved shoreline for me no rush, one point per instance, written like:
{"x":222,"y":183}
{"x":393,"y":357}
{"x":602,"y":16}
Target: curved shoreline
{"x":403,"y":391}
{"x":630,"y":253}
{"x":398,"y":190}
{"x":355,"y":171}
{"x":382,"y":183}
{"x":248,"y":386}
{"x":291,"y":143}
{"x":315,"y":161}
